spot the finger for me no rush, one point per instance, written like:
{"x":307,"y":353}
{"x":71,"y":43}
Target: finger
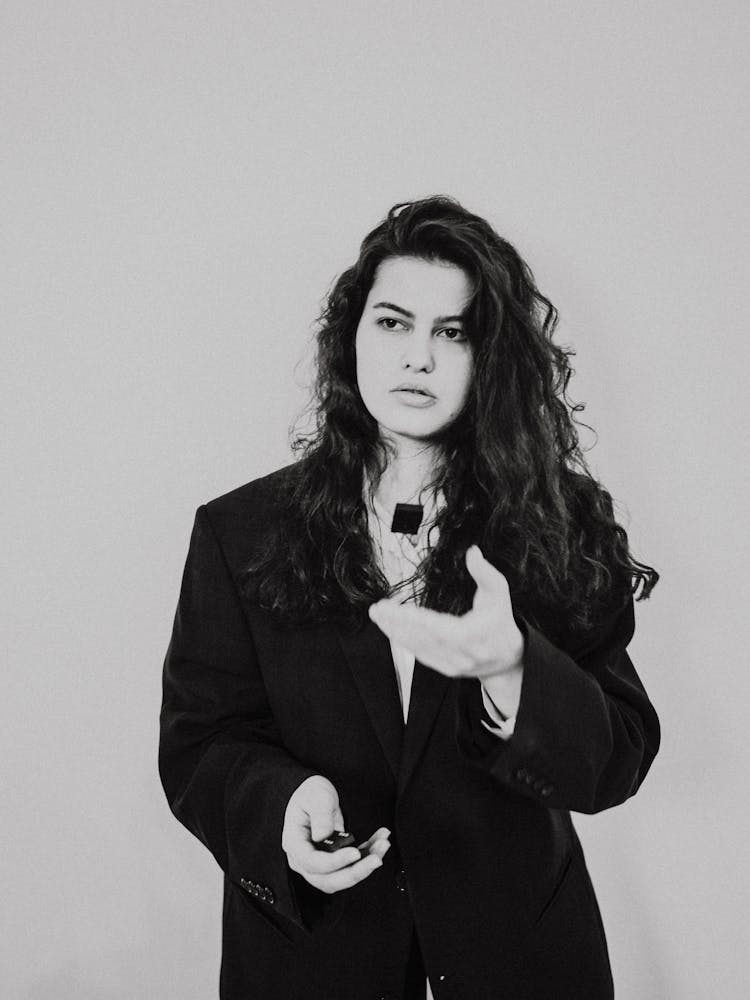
{"x":420,"y":630}
{"x":380,"y":848}
{"x":448,"y":643}
{"x":347,"y":877}
{"x":381,"y":833}
{"x":310,"y":859}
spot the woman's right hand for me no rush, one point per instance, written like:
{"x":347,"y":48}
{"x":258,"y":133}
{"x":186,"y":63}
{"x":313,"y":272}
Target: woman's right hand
{"x":312,"y":814}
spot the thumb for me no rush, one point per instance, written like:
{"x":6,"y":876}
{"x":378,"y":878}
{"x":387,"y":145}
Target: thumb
{"x":324,"y":816}
{"x":479,"y":567}
{"x":485,"y":575}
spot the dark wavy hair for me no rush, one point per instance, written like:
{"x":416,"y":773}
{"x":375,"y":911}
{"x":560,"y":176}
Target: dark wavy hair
{"x":513,"y":475}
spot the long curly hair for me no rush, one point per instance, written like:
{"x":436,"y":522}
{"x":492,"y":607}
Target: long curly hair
{"x":513,"y":475}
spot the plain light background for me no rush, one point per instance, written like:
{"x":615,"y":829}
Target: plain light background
{"x":182,"y":182}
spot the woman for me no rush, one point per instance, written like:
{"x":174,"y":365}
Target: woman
{"x":417,"y":634}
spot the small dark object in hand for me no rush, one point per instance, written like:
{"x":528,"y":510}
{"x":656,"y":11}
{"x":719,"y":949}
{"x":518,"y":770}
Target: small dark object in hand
{"x":335,"y":842}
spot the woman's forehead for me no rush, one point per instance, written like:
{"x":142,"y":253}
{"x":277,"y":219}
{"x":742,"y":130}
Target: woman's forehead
{"x":418,"y":284}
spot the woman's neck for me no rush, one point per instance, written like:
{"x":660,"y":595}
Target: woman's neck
{"x":407,"y":472}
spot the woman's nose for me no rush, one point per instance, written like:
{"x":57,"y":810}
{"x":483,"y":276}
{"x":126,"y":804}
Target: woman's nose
{"x":418,"y":353}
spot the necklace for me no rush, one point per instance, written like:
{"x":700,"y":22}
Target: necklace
{"x":400,"y":554}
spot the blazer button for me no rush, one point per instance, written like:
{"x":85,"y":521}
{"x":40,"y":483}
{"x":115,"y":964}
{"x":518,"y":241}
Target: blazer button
{"x":548,"y":790}
{"x":539,"y":785}
{"x":401,"y":882}
{"x":521,"y":774}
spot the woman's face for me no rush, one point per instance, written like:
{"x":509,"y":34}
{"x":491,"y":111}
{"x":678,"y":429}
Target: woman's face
{"x":411,"y":333}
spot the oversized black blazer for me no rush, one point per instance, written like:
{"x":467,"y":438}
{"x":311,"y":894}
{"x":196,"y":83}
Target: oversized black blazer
{"x":484,"y":862}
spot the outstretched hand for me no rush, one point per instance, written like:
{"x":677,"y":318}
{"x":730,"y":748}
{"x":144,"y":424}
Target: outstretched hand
{"x":483,"y":643}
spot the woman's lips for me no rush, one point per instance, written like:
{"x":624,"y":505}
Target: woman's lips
{"x":411,"y":397}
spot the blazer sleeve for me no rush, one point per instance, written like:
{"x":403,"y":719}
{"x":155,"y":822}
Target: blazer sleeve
{"x":585,"y":732}
{"x":226,"y":775}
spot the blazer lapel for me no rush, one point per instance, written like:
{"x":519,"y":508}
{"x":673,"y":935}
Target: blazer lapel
{"x":428,"y":688}
{"x":368,"y":653}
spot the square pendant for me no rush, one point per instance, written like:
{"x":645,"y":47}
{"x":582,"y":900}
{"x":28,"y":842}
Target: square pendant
{"x":407,"y":518}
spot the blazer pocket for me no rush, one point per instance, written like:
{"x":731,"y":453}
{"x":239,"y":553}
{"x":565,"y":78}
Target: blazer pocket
{"x":263,"y":913}
{"x":320,"y":911}
{"x":559,"y":888}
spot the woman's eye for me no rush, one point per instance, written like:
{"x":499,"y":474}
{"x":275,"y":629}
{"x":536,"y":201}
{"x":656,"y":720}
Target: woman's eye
{"x":389,"y":323}
{"x":453,"y":333}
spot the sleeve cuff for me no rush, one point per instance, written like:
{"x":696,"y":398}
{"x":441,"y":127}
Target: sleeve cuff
{"x":499,"y":725}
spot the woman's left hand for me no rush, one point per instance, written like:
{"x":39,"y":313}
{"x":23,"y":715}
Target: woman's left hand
{"x":483,"y":643}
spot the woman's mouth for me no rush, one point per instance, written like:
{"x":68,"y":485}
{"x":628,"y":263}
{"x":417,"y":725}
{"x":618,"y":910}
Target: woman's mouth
{"x":414,"y":397}
{"x":413,"y":387}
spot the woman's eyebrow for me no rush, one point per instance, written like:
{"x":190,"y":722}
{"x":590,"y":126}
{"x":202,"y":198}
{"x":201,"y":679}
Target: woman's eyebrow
{"x":410,"y":315}
{"x":398,"y":309}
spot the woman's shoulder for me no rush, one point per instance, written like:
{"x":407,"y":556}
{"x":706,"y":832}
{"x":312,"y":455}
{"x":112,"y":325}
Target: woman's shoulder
{"x":262,"y":489}
{"x":243,"y":515}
